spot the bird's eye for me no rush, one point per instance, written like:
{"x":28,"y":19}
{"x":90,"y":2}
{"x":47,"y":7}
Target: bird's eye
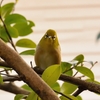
{"x":46,"y":36}
{"x":54,"y":37}
{"x":49,"y":36}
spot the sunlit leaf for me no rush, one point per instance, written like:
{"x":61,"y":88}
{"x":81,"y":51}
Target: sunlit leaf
{"x":68,"y":88}
{"x":65,"y":68}
{"x":85,"y":71}
{"x":51,"y":74}
{"x":79,"y":98}
{"x":27,"y":43}
{"x":79,"y":58}
{"x":56,"y":87}
{"x":32,"y":96}
{"x":68,"y":97}
{"x":26,"y":87}
{"x":19,"y":97}
{"x":31,"y":23}
{"x":28,"y":52}
{"x":7,"y":9}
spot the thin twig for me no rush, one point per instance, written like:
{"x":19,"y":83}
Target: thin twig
{"x":93,"y":65}
{"x":9,"y":75}
{"x":63,"y":95}
{"x":10,"y":79}
{"x":5,"y":70}
{"x":75,"y":74}
{"x":11,"y":41}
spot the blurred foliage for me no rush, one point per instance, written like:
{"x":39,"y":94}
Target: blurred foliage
{"x":98,"y":37}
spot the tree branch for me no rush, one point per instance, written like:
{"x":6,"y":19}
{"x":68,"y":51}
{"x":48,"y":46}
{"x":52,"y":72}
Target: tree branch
{"x":91,"y":86}
{"x":12,"y":88}
{"x":28,"y":75}
{"x":80,"y":90}
{"x":11,"y":78}
{"x":2,"y":63}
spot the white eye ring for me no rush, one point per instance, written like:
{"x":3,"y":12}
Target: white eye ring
{"x":48,"y":36}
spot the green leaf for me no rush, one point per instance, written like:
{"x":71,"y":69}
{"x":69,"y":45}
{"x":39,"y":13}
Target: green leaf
{"x":68,"y":88}
{"x":51,"y":74}
{"x":1,"y":80}
{"x":56,"y":86}
{"x":27,"y":43}
{"x":15,"y":18}
{"x":85,"y":71}
{"x":28,"y":52}
{"x":79,"y":98}
{"x":19,"y":97}
{"x":79,"y":58}
{"x":30,"y":23}
{"x":12,"y":31}
{"x":26,"y":87}
{"x":7,"y":9}
{"x":65,"y":68}
{"x":24,"y":28}
{"x":3,"y":34}
{"x":68,"y":97}
{"x":32,"y":96}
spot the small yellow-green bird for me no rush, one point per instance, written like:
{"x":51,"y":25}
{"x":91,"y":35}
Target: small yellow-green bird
{"x":48,"y":50}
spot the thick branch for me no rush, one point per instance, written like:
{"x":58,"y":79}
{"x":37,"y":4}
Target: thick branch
{"x":80,"y":90}
{"x":12,"y":88}
{"x":93,"y":87}
{"x":87,"y":85}
{"x":28,"y":75}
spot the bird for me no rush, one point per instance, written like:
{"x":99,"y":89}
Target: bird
{"x":48,"y":51}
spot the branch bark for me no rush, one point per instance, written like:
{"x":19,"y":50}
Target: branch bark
{"x":12,"y":88}
{"x":28,"y":75}
{"x":91,"y":86}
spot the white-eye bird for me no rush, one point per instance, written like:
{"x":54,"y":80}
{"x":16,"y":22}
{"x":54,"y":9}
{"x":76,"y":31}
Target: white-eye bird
{"x":48,"y":50}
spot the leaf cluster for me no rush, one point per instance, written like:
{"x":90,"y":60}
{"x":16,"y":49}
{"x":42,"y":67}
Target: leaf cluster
{"x":13,"y":25}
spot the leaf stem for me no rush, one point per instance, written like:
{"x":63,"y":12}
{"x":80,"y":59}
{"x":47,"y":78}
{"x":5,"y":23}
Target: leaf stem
{"x":11,"y":41}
